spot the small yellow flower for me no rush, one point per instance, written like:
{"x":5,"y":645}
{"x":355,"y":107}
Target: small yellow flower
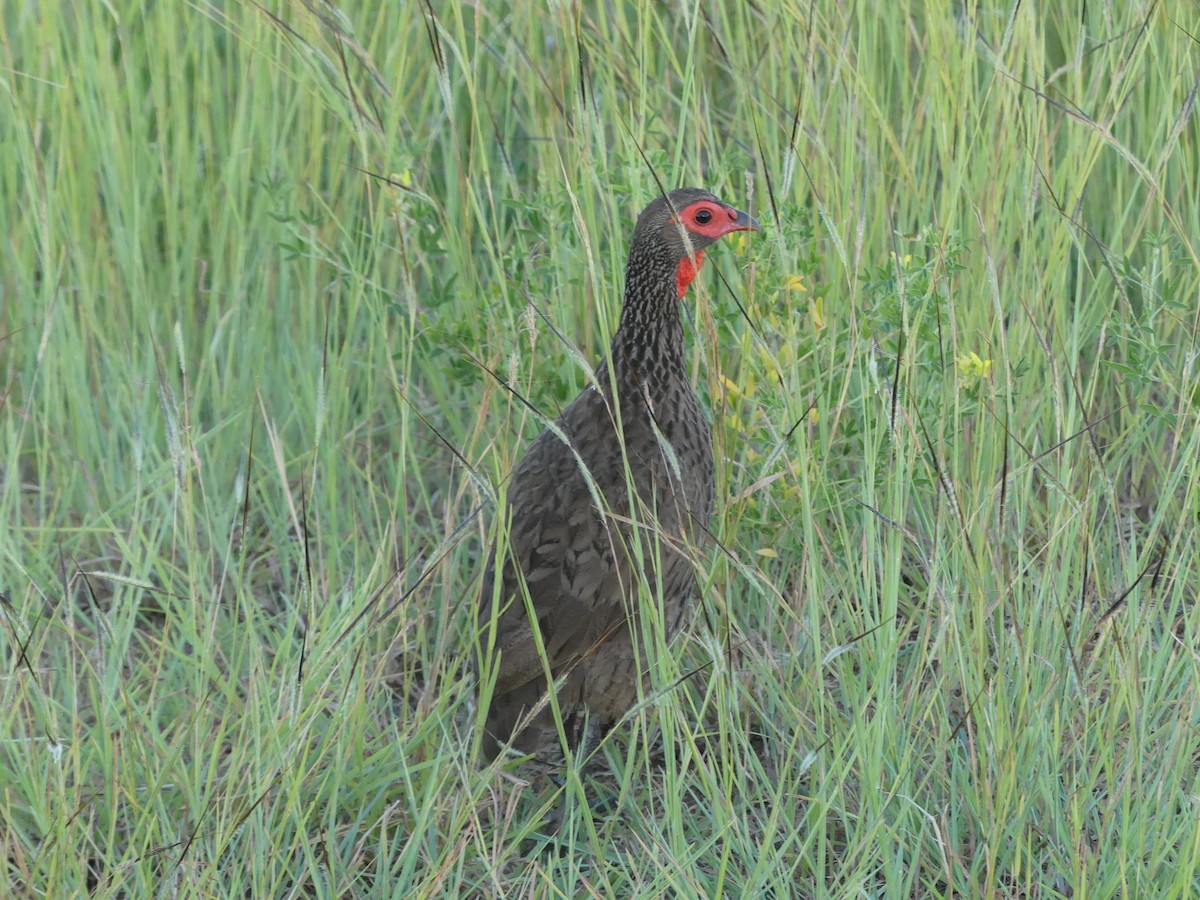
{"x":401,"y":183}
{"x":735,"y":390}
{"x":971,"y":366}
{"x":816,"y":311}
{"x":781,"y":359}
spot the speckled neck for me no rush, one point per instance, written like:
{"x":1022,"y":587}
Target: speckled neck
{"x":647,"y":350}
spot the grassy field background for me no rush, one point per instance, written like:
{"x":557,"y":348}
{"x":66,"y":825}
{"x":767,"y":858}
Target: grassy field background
{"x":266,"y":271}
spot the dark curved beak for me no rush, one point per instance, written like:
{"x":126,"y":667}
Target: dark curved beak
{"x":744,"y":222}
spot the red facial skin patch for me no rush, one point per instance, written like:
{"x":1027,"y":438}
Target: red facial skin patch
{"x":688,"y":267}
{"x":721,"y":219}
{"x":715,"y":221}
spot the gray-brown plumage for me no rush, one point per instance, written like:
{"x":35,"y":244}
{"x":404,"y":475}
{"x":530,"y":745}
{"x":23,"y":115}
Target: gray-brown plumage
{"x":579,"y":561}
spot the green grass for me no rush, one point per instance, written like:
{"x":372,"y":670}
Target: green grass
{"x":250,"y":445}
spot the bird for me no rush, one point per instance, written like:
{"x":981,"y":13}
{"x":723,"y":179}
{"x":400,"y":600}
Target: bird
{"x":571,"y":556}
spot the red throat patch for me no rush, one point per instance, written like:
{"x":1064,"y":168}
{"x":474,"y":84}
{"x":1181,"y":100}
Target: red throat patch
{"x":686,"y":272}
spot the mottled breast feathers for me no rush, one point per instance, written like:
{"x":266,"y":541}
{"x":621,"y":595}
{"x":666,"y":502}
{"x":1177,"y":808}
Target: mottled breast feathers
{"x":577,"y":561}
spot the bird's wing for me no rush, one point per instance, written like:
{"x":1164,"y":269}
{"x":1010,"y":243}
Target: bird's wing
{"x":561,"y":548}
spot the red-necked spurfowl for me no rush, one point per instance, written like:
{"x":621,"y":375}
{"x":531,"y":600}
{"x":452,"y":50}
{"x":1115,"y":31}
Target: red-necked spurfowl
{"x":639,"y":425}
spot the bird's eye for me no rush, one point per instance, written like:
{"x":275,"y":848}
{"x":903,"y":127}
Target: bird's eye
{"x":703,"y":216}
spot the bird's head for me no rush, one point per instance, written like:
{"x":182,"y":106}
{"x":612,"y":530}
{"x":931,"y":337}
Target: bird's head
{"x":682,"y":224}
